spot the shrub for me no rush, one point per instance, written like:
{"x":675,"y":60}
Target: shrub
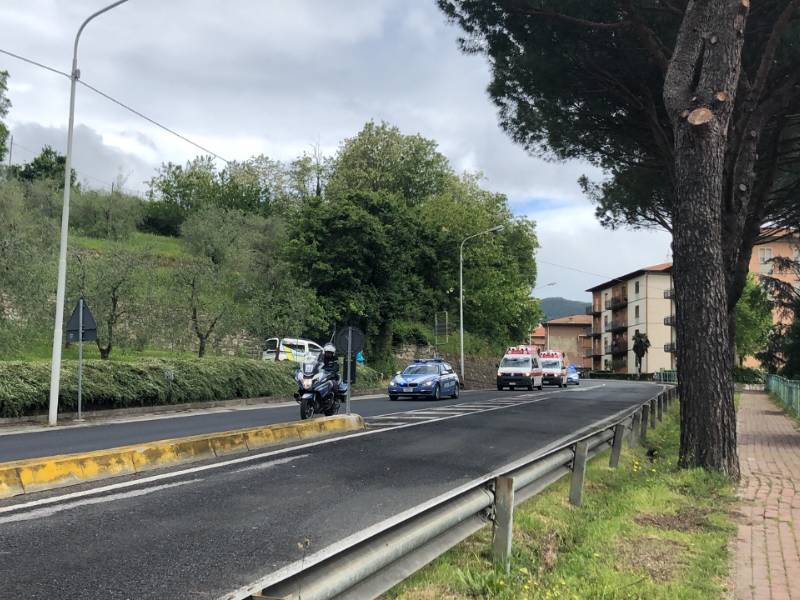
{"x":162,"y":218}
{"x":623,"y":376}
{"x":24,"y":386}
{"x":153,"y":382}
{"x":105,"y":216}
{"x":747,"y":375}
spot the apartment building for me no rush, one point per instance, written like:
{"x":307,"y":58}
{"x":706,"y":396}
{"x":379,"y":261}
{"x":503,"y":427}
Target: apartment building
{"x":571,"y":335}
{"x":776,"y":243}
{"x":641,"y":301}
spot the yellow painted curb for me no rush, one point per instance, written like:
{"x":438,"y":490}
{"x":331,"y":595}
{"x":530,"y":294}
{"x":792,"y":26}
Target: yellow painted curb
{"x":38,"y":474}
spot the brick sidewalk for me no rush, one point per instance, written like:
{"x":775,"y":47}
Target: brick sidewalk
{"x":768,"y":544}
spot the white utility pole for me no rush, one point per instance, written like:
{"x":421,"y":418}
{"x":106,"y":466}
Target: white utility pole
{"x":461,"y":289}
{"x":55,"y":366}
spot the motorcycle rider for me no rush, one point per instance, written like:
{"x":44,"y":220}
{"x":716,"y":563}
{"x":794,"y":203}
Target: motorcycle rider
{"x":330,"y":364}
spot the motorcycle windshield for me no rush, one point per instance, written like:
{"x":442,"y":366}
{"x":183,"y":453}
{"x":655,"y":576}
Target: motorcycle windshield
{"x":309,"y":368}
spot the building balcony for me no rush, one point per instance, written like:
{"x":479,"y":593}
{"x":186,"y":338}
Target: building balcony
{"x":619,"y":348}
{"x":616,"y":326}
{"x":669,"y":294}
{"x":670,"y":347}
{"x":617,"y":303}
{"x":669,"y":321}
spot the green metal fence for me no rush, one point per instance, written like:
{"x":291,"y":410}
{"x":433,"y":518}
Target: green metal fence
{"x":787,"y":391}
{"x":666,"y":376}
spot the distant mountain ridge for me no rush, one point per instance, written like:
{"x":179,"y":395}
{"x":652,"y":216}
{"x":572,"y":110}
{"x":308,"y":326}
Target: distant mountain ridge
{"x":555,"y":308}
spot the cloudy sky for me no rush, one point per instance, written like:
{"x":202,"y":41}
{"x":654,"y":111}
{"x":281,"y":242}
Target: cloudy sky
{"x":276,"y":77}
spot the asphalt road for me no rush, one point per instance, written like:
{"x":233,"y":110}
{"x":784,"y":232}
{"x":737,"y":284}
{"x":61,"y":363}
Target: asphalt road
{"x":202,"y":532}
{"x":70,"y":439}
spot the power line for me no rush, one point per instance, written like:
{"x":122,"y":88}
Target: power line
{"x":608,"y":277}
{"x":152,"y":121}
{"x":118,"y":103}
{"x":33,"y":62}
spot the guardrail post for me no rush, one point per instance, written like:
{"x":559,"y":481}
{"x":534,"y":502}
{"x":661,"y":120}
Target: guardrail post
{"x":636,"y":428}
{"x":653,"y":413}
{"x":503,"y":521}
{"x":660,"y":405}
{"x":645,"y":420}
{"x":578,"y":473}
{"x":616,"y":446}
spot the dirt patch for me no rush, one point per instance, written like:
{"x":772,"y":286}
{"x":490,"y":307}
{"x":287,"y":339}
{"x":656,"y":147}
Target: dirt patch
{"x":428,"y":592}
{"x":548,"y":550}
{"x":661,"y":559}
{"x":686,"y":519}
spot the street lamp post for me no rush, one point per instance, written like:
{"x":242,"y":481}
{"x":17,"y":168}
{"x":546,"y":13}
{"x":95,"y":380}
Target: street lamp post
{"x":461,"y":289}
{"x":55,"y":367}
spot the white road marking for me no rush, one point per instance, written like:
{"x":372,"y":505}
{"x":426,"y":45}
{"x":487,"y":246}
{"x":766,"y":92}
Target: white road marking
{"x":23,"y":428}
{"x":271,"y":463}
{"x":41,"y":513}
{"x":240,"y":460}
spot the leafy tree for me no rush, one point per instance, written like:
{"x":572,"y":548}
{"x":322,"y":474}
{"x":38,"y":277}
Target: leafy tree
{"x":5,"y":104}
{"x":641,"y":343}
{"x":791,"y":351}
{"x":753,"y":320}
{"x":106,"y":281}
{"x":187,"y":188}
{"x":224,"y":236}
{"x":254,"y":186}
{"x":113,"y":216}
{"x":688,"y":107}
{"x":27,"y":261}
{"x":49,"y":166}
{"x":347,"y":256}
{"x":209,"y":291}
{"x":381,"y":158}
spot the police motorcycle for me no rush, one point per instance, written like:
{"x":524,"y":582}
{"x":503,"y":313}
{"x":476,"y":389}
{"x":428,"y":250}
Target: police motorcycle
{"x":319,"y":389}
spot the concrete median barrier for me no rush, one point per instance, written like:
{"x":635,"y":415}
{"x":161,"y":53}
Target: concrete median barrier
{"x":39,"y":474}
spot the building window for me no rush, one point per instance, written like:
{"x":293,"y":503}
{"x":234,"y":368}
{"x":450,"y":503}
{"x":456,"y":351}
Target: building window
{"x":636,"y":313}
{"x":764,"y":256}
{"x":636,"y":288}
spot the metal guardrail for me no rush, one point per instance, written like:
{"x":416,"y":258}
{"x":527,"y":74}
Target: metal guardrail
{"x":368,"y":564}
{"x":787,"y":390}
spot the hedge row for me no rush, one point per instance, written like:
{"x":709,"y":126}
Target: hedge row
{"x":24,"y":386}
{"x":623,"y":376}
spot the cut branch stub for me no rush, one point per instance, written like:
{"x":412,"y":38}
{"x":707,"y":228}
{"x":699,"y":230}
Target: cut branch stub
{"x":722,"y":96}
{"x":700,"y":116}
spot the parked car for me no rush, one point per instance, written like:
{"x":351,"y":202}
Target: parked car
{"x":291,"y":349}
{"x":428,"y":378}
{"x":573,"y":375}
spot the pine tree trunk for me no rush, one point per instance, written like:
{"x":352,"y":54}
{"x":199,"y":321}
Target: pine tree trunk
{"x":699,"y":92}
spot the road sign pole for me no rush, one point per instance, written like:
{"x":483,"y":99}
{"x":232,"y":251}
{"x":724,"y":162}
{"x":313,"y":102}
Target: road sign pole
{"x":349,"y":369}
{"x":80,"y":354}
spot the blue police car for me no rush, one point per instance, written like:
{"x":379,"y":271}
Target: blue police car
{"x":429,"y":378}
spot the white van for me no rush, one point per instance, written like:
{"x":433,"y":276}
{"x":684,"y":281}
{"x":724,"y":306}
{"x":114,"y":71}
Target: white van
{"x":554,"y":367}
{"x":519,"y":368}
{"x":291,"y":349}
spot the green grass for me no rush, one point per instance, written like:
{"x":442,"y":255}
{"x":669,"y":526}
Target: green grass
{"x":138,"y":242}
{"x":647,"y":530}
